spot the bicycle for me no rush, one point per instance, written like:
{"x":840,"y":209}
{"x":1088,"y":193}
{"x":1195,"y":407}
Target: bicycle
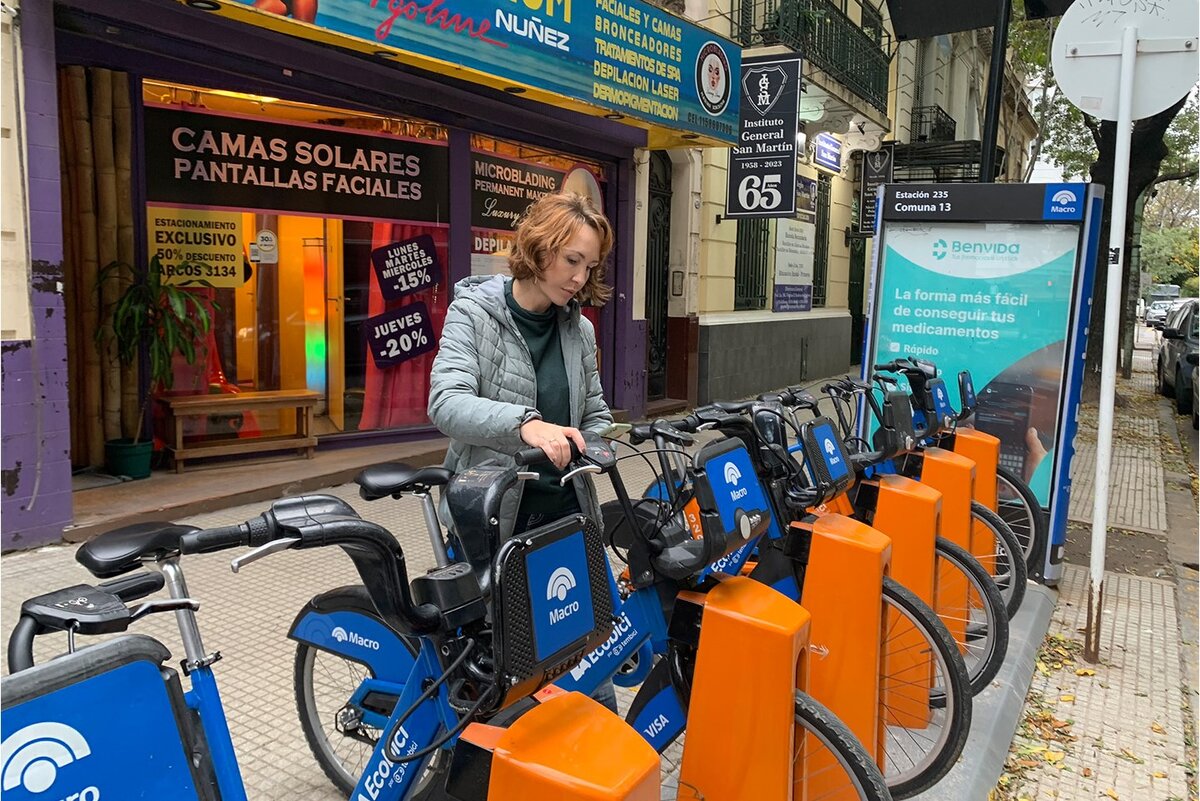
{"x":642,"y":631}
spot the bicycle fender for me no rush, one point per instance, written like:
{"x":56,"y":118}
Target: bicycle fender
{"x":344,"y":621}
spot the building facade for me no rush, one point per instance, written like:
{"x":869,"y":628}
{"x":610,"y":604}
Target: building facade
{"x":322,"y":182}
{"x":749,"y":340}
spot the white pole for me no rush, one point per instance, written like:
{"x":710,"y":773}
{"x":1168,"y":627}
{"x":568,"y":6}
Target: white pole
{"x":1112,"y":317}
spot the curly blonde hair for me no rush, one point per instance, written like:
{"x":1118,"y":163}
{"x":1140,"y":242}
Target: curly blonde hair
{"x":545,"y":229}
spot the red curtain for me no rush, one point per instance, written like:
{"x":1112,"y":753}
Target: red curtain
{"x":398,"y":396}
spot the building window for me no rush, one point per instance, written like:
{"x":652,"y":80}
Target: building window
{"x":821,"y":246}
{"x":872,"y":23}
{"x":750,"y":266}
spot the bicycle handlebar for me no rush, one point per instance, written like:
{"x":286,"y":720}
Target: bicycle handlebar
{"x":317,"y":521}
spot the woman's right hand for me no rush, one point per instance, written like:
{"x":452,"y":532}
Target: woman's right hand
{"x":554,"y":440}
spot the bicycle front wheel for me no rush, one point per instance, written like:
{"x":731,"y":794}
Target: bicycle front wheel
{"x":969,"y":603}
{"x":830,"y":763}
{"x":339,"y":738}
{"x":923,"y":739}
{"x":1019,"y":508}
{"x":1004,"y":561}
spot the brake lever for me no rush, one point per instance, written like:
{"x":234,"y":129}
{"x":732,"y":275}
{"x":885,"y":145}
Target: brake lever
{"x":586,"y":468}
{"x":274,"y":546}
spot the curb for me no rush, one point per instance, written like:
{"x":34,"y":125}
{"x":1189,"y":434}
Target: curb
{"x":997,"y":710}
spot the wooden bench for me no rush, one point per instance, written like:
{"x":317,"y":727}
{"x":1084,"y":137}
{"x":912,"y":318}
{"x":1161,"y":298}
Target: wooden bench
{"x":179,"y":408}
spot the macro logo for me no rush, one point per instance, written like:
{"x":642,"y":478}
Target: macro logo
{"x":342,"y":635}
{"x":734,"y":476}
{"x":939,"y":249}
{"x":561,"y":582}
{"x":1064,"y":197}
{"x":1062,"y":201}
{"x":33,"y":755}
{"x":560,"y":593}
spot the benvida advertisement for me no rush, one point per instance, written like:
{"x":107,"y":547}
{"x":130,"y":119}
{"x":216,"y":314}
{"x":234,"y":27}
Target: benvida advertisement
{"x":995,"y":299}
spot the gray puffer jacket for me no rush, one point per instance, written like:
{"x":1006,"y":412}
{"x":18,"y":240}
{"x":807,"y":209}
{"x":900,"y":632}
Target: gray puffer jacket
{"x":483,"y":382}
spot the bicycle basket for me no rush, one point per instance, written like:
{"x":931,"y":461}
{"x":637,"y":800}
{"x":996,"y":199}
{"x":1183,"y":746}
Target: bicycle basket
{"x":552,"y":603}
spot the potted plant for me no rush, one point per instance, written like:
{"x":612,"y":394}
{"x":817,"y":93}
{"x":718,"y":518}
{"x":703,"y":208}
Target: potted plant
{"x":170,"y":320}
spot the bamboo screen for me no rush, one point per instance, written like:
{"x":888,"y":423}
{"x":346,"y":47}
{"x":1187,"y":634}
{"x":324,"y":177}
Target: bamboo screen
{"x":98,"y":229}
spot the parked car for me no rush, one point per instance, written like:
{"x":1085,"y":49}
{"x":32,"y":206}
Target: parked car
{"x":1181,"y":337}
{"x":1156,"y":312}
{"x":1192,"y":357}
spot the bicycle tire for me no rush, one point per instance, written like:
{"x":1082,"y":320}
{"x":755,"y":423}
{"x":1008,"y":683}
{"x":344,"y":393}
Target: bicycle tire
{"x":1006,"y":564}
{"x":941,"y":673}
{"x":865,"y":779}
{"x":324,"y":738}
{"x":1018,"y":506}
{"x":981,"y":626}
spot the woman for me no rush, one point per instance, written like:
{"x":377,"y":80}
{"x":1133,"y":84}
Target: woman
{"x":516,"y":364}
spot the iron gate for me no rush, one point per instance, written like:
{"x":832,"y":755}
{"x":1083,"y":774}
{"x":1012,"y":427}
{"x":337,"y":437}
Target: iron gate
{"x":658,"y":254}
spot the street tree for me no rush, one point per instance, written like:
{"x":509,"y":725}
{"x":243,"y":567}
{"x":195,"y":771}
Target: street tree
{"x":1163,"y":148}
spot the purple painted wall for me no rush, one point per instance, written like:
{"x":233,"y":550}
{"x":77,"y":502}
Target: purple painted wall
{"x":35,"y":460}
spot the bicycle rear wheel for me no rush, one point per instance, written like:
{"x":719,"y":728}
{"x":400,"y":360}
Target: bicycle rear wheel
{"x":1019,"y":508}
{"x":969,"y":603}
{"x":923,"y":739}
{"x":1005,"y":561}
{"x":830,"y":763}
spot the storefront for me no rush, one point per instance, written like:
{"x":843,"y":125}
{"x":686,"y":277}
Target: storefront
{"x":321,"y":184}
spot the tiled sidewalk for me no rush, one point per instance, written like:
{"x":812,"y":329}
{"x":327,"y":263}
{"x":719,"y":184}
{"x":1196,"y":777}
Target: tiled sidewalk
{"x":1114,"y":730}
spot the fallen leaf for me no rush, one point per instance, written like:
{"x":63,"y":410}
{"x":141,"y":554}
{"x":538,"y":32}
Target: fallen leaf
{"x":1067,"y":698}
{"x":1158,"y":774}
{"x":1087,"y":772}
{"x":1054,"y":756}
{"x":1157,"y":728}
{"x":1132,"y":757}
{"x":1084,"y":672}
{"x":1111,"y":793}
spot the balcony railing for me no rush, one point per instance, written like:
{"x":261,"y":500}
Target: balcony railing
{"x":941,"y":162}
{"x":932,"y":124}
{"x":823,"y":35}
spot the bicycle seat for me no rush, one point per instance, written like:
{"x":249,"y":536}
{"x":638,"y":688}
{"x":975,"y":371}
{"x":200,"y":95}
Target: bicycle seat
{"x":123,"y":549}
{"x":393,"y":478}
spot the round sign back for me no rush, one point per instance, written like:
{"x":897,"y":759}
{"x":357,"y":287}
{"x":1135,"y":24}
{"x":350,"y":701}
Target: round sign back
{"x":1086,"y":53}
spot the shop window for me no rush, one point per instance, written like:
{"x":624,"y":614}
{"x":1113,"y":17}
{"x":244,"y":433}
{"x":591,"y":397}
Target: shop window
{"x":506,"y":177}
{"x":334,"y":243}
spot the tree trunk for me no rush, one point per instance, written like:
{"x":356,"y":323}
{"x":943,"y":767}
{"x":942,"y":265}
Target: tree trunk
{"x":106,"y":244}
{"x":1147,"y":151}
{"x":1133,"y":285}
{"x":123,"y":156}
